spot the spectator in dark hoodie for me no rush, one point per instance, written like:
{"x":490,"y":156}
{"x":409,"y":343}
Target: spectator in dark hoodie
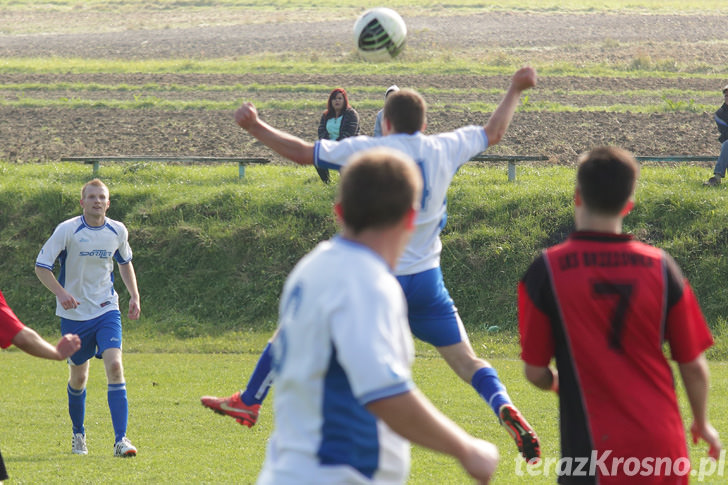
{"x":721,"y":119}
{"x":339,"y":121}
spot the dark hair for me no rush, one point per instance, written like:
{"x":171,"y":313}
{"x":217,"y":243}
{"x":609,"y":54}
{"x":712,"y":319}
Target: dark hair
{"x":406,"y":110}
{"x":330,"y":111}
{"x":377,"y":188}
{"x":606,"y":178}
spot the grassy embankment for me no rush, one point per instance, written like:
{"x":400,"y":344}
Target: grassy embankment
{"x":211,"y":252}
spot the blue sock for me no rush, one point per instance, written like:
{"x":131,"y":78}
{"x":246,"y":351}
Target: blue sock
{"x":77,"y":408}
{"x":261,"y":379}
{"x":490,"y":388}
{"x":119,"y":407}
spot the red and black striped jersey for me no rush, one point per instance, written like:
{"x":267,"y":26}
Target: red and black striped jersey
{"x":604,"y":305}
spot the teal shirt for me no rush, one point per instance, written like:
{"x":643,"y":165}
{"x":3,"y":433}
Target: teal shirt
{"x":333,"y":127}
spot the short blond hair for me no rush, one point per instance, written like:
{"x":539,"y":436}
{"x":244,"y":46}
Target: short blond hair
{"x":96,"y":183}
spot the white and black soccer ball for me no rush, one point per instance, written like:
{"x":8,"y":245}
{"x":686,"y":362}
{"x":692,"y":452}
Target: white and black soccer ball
{"x":379,"y":34}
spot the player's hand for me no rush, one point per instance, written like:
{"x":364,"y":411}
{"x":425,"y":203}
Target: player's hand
{"x":68,"y":345}
{"x":246,"y":116}
{"x":555,"y":381}
{"x":710,"y":435}
{"x":480,"y":460}
{"x":134,"y":309}
{"x":67,"y":301}
{"x":524,"y":78}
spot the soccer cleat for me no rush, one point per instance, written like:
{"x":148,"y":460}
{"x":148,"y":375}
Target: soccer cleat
{"x":233,"y":407}
{"x":713,"y":181}
{"x":78,"y":444}
{"x":124,"y":448}
{"x":521,"y":432}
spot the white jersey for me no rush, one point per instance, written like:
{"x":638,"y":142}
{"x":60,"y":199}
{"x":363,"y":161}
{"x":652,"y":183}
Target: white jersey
{"x":343,"y":342}
{"x":86,"y":255}
{"x":439,"y":157}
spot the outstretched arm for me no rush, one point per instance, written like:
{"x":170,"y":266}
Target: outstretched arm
{"x":31,"y":343}
{"x":285,"y":144}
{"x":523,"y":79}
{"x":695,"y":377}
{"x":413,"y":417}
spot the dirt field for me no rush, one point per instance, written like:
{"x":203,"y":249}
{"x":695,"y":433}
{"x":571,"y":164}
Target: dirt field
{"x":46,"y":134}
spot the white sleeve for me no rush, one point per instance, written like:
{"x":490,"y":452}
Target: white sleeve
{"x":370,"y":336}
{"x":123,"y":255}
{"x":52,"y":248}
{"x":335,"y":154}
{"x":463,"y":144}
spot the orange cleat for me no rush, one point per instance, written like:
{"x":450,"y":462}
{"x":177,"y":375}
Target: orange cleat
{"x":521,"y":432}
{"x":232,"y":406}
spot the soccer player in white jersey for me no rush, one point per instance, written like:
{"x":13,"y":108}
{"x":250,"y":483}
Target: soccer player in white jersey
{"x":345,"y":404}
{"x":86,"y":247}
{"x":432,"y":313}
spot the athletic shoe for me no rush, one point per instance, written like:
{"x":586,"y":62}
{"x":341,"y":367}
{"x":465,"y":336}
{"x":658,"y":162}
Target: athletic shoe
{"x":713,"y":181}
{"x":232,"y":406}
{"x":124,"y":448}
{"x":521,"y":432}
{"x":78,"y":444}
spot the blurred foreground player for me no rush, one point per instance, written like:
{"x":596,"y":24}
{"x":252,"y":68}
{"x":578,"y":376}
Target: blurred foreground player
{"x":346,"y":407}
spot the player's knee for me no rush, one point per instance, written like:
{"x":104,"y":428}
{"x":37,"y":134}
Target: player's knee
{"x":115,"y":372}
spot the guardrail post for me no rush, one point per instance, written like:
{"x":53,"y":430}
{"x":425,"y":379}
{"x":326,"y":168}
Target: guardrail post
{"x":511,"y":171}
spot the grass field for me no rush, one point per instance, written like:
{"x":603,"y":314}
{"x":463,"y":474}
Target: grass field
{"x":206,"y":318}
{"x":181,"y":442}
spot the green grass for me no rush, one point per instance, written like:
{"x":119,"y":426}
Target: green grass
{"x":181,"y":442}
{"x":306,"y":97}
{"x":146,"y":102}
{"x":206,"y":318}
{"x":432,"y":62}
{"x":314,"y":90}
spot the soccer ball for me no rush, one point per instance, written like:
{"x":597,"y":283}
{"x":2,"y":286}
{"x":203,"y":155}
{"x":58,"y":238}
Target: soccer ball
{"x":379,"y":34}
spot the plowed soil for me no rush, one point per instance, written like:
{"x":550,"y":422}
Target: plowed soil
{"x":48,"y":133}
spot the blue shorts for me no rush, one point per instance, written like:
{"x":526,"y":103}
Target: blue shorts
{"x":97,"y":335}
{"x":432,"y":315}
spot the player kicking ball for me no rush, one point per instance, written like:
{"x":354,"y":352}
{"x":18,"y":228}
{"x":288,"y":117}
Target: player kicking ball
{"x":432,"y":315}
